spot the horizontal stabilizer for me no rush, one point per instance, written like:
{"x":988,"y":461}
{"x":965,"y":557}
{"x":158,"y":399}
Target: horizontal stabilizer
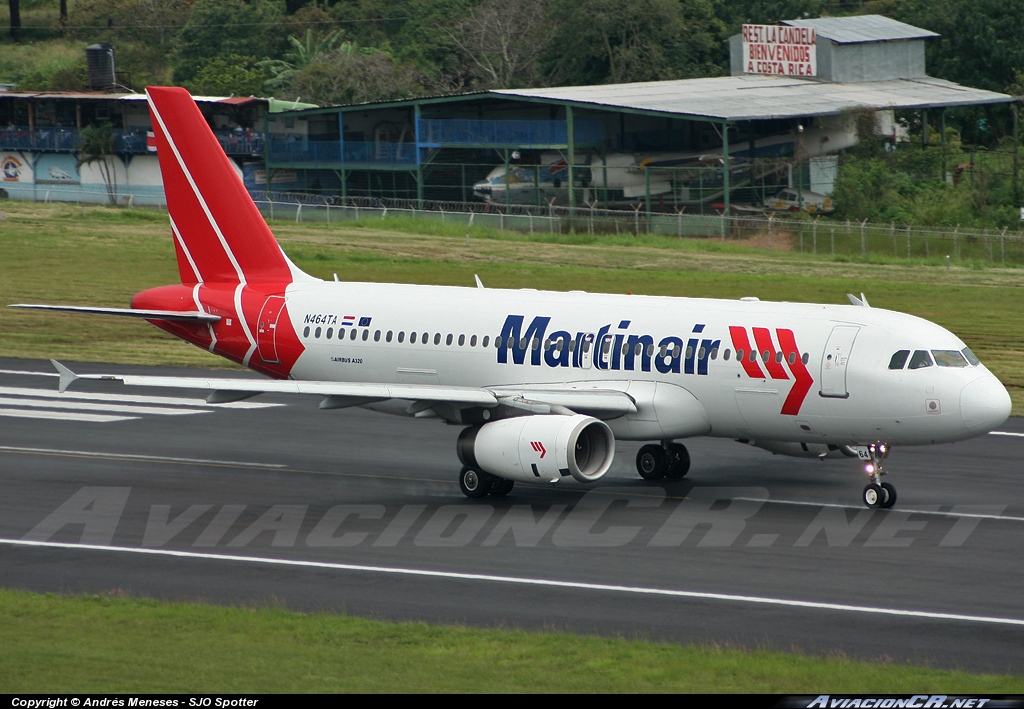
{"x":194,"y":316}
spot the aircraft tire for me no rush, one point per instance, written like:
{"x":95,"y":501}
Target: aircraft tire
{"x":652,"y":462}
{"x":502,"y":486}
{"x":679,"y":461}
{"x":474,"y":483}
{"x":890,"y":496}
{"x":874,"y":496}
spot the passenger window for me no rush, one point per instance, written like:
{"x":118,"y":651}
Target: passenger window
{"x":472,"y":341}
{"x":305,"y":331}
{"x":352,"y":336}
{"x":437,"y":339}
{"x":899,"y":359}
{"x":806,"y":358}
{"x":462,"y":340}
{"x":739,"y":355}
{"x":376,"y":336}
{"x":949,"y":358}
{"x":970,"y":356}
{"x":330,"y":333}
{"x":401,"y":337}
{"x":316,"y":333}
{"x":486,"y":337}
{"x":778,"y":358}
{"x":726,"y":355}
{"x":412,"y":338}
{"x":497,"y":342}
{"x":366,"y":335}
{"x":766,"y":355}
{"x":920,"y":359}
{"x":792,"y":358}
{"x":689,"y":352}
{"x":448,"y":340}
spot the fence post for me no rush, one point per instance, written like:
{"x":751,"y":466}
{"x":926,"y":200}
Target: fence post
{"x":1002,"y":245}
{"x":298,"y":213}
{"x":863,"y":239}
{"x":988,"y":242}
{"x":956,"y":244}
{"x":908,"y":242}
{"x":771,"y":218}
{"x":832,"y":236}
{"x":892,"y":235}
{"x":814,"y":235}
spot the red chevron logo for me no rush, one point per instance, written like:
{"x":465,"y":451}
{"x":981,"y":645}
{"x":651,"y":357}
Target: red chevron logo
{"x":774,"y":360}
{"x":539,"y":447}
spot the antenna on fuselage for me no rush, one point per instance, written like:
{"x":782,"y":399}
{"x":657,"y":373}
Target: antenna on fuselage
{"x":479,"y":283}
{"x":862,"y":301}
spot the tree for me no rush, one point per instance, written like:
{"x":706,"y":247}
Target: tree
{"x":502,"y":42}
{"x":15,"y":9}
{"x":353,"y":74}
{"x":222,"y":28}
{"x":229,"y":76}
{"x":615,"y":41}
{"x":97,"y":146}
{"x":312,"y":48}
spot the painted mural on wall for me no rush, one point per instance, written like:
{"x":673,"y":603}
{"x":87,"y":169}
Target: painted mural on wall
{"x":57,"y":170}
{"x":14,"y":168}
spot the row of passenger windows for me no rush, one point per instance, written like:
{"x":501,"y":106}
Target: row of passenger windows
{"x":549,"y":345}
{"x":942,"y":358}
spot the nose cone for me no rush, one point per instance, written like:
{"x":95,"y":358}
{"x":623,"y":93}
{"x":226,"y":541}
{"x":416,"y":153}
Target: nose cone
{"x":984,"y":404}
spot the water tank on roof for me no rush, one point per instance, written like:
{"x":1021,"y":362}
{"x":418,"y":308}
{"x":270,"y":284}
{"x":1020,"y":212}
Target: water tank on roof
{"x":99,"y":59}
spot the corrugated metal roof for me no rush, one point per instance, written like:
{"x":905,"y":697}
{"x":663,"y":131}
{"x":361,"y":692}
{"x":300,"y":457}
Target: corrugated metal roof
{"x":753,"y":97}
{"x":863,"y":28}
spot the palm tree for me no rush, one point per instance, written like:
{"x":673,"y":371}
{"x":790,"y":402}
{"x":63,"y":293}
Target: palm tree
{"x":97,"y":145}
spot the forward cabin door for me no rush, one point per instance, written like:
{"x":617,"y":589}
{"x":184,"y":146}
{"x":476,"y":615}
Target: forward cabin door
{"x":835,"y":359}
{"x":266,"y":330}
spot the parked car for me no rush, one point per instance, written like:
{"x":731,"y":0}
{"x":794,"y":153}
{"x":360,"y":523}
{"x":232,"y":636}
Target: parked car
{"x":788,"y":200}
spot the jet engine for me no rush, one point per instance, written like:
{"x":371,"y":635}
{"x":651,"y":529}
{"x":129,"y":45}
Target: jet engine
{"x":804,"y":450}
{"x":536,"y":448}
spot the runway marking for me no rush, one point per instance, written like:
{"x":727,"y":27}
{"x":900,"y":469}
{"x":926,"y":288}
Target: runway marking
{"x":31,"y":374}
{"x":88,"y":406}
{"x":149,"y":458}
{"x":62,"y":416}
{"x":936,"y":513}
{"x":1005,"y":433}
{"x":133,"y":399}
{"x":549,"y":583}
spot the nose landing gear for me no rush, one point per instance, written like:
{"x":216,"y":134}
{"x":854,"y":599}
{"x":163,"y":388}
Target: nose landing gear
{"x":876,"y":493}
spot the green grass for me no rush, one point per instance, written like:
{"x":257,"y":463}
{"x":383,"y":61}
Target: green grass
{"x":102,"y":256}
{"x":112,"y":643}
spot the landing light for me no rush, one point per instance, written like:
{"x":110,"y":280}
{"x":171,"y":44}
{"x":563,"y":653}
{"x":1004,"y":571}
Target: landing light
{"x":869,"y":468}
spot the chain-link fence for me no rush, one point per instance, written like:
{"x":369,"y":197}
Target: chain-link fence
{"x":805,"y":234}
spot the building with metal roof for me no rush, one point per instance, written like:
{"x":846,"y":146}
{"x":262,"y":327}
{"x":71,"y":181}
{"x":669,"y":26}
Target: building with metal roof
{"x":713,"y":129}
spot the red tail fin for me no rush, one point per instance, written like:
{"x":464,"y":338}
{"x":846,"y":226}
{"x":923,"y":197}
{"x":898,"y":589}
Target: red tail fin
{"x":219,"y":235}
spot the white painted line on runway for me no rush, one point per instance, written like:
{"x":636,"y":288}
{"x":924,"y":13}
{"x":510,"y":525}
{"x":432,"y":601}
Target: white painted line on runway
{"x":908,"y":509}
{"x":1005,"y":433}
{"x":131,"y":456}
{"x":31,"y":374}
{"x":87,"y":406}
{"x":62,"y":416}
{"x":132,"y":399}
{"x":549,"y":583}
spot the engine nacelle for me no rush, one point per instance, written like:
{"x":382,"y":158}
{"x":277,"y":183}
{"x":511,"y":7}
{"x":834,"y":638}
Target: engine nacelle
{"x":804,"y":450}
{"x":536,"y":448}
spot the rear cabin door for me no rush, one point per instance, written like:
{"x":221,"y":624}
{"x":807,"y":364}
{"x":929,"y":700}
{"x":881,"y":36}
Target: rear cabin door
{"x":266,"y":330}
{"x":835,"y":359}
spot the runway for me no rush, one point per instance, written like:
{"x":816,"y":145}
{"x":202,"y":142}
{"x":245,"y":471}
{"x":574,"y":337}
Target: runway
{"x":164,"y":496}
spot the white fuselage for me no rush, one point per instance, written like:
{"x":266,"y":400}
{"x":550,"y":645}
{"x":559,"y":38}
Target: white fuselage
{"x":853,"y":396}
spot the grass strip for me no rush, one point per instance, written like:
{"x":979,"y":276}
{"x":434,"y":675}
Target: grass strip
{"x":113,"y":643}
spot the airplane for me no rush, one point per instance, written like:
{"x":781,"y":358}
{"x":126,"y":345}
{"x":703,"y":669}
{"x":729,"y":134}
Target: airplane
{"x":544,"y":383}
{"x":619,"y":177}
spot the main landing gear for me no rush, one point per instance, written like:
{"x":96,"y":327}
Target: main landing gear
{"x":665,"y":460}
{"x":476,"y":483}
{"x":877,"y":494}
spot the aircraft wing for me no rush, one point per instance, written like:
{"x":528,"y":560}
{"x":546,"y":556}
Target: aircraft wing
{"x":195,"y":316}
{"x":607,"y":403}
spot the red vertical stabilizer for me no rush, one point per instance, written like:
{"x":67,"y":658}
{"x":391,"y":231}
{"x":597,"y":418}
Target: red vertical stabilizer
{"x":219,"y":235}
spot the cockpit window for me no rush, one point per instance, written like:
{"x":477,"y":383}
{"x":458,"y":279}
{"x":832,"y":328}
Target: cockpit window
{"x":920,"y":359}
{"x":970,"y":356}
{"x":949,"y":358}
{"x":899,"y":359}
